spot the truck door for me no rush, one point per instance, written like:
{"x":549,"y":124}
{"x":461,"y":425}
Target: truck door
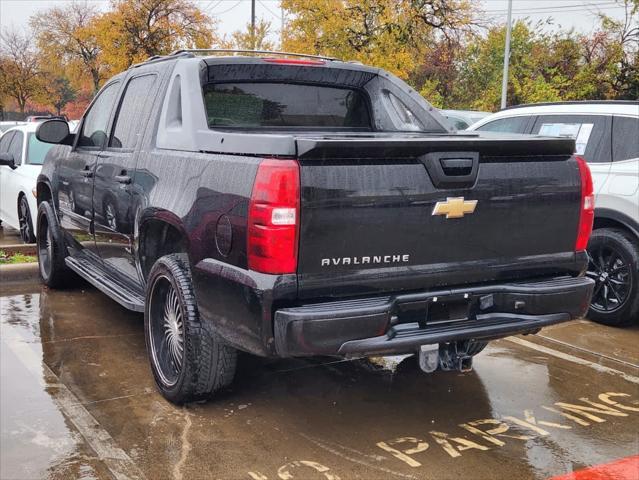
{"x":113,"y":199}
{"x":76,"y":172}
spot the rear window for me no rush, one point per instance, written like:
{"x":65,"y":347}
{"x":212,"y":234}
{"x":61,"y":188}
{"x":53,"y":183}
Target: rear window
{"x":277,"y":105}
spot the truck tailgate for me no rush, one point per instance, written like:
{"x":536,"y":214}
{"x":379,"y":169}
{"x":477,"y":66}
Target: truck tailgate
{"x":440,"y":210}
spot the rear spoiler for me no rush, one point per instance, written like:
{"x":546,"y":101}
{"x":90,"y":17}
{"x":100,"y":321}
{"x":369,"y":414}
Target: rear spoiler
{"x":492,"y":145}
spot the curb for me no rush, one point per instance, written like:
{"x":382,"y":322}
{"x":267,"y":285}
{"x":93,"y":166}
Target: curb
{"x":19,"y":272}
{"x":23,"y":248}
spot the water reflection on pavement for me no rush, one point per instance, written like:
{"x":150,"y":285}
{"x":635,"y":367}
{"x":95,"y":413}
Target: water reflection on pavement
{"x":78,"y":401}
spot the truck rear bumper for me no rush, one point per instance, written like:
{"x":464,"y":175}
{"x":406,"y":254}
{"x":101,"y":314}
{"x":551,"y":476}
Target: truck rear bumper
{"x":402,"y":323}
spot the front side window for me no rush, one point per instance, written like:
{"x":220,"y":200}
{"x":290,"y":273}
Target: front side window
{"x":37,"y":150}
{"x":274,"y":105}
{"x":5,"y":141}
{"x":128,"y":123}
{"x":96,"y":120}
{"x":506,"y":125}
{"x":15,"y":148}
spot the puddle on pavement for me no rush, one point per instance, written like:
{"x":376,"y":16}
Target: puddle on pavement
{"x":37,"y":440}
{"x":303,"y":418}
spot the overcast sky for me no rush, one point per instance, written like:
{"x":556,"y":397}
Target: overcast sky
{"x":234,"y":14}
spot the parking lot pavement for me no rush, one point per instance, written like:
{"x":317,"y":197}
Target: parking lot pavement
{"x":9,"y":236}
{"x":78,"y":400}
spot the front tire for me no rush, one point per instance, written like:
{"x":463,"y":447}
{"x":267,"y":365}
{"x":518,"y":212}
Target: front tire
{"x":189,"y":360}
{"x":52,"y":251}
{"x":614,"y":266}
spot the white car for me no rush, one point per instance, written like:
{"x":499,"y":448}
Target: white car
{"x":6,"y":125}
{"x":21,"y":158}
{"x":607,"y":136}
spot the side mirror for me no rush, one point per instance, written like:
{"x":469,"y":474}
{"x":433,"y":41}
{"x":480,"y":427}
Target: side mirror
{"x":54,"y":131}
{"x":7,"y":159}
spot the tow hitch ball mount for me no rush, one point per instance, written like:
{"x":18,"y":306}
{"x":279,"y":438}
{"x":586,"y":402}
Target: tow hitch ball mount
{"x":446,"y":356}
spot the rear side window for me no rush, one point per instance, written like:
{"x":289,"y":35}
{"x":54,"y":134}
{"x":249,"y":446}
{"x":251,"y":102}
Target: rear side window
{"x":277,"y":105}
{"x":625,"y":138}
{"x":591,"y":133}
{"x":507,"y":125}
{"x":132,"y":111}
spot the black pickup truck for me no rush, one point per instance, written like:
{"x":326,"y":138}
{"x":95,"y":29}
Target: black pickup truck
{"x":289,"y":205}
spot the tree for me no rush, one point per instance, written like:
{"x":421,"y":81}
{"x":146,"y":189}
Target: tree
{"x":392,"y":34}
{"x":21,"y":79}
{"x":134,"y":30}
{"x":60,"y":93}
{"x":251,"y":40}
{"x":67,"y":40}
{"x":622,"y":37}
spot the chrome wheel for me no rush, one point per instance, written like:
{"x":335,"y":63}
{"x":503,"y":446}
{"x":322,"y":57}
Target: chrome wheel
{"x":167,"y":331}
{"x":45,"y":249}
{"x":611,"y":273}
{"x":24,"y":219}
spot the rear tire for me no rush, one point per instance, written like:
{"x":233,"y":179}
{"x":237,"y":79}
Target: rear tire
{"x":52,"y":251}
{"x":189,"y":360}
{"x":614,"y":265}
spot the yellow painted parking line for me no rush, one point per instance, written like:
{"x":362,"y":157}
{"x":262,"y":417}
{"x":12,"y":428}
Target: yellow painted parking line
{"x":573,"y":359}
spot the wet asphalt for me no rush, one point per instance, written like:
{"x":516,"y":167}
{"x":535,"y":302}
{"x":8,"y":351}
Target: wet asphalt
{"x":78,"y":401}
{"x":9,"y":236}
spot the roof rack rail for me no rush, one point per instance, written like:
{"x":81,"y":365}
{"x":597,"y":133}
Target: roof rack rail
{"x":204,"y":51}
{"x":573,"y":102}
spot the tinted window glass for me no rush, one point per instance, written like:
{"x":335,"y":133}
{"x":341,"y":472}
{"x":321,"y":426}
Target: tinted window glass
{"x":16,"y":147}
{"x":508,"y":125}
{"x":458,"y":122}
{"x":591,"y":133}
{"x":625,"y":138}
{"x":5,"y":141}
{"x":37,"y":150}
{"x":128,"y":123}
{"x":254,"y":105}
{"x":96,"y":120}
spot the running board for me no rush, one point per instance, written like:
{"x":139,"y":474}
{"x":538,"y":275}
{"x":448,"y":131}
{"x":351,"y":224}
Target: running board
{"x":125,"y":293}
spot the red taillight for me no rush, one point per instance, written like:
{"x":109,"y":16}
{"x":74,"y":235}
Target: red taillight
{"x":587,"y":215}
{"x":293,"y":61}
{"x":273,"y":217}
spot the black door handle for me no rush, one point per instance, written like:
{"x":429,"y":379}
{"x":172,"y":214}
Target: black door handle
{"x":457,"y":167}
{"x":87,"y":172}
{"x":125,"y":179}
{"x":451,"y":169}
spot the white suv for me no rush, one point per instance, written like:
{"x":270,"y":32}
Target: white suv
{"x":607,"y":136}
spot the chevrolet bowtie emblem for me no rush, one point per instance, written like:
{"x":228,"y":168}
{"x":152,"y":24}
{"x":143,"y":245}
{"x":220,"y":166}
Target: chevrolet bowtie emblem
{"x":455,"y":207}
